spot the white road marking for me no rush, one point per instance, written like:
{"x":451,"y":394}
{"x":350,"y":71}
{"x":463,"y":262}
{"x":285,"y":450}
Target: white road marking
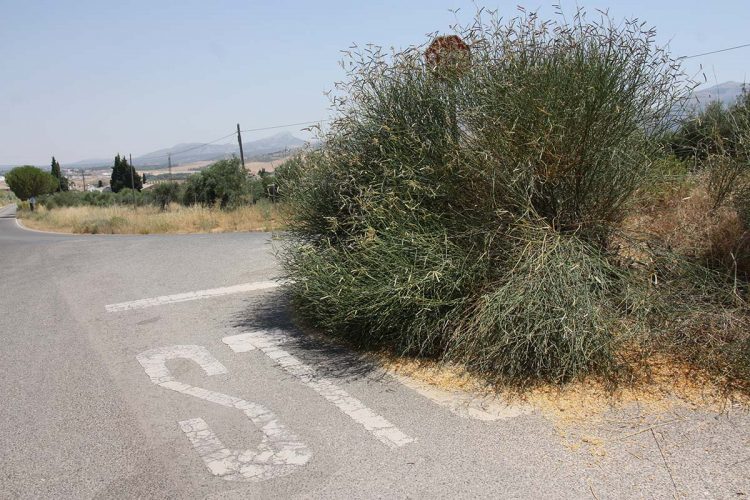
{"x":465,"y":405}
{"x":279,"y":453}
{"x":269,"y":343}
{"x":188,"y":296}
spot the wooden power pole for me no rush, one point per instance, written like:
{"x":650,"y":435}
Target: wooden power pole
{"x":242,"y":153}
{"x":169,"y":158}
{"x":83,"y":174}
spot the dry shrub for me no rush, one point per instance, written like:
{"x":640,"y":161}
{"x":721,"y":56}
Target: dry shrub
{"x":686,"y":222}
{"x":695,"y":260}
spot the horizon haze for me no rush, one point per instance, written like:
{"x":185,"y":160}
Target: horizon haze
{"x":88,"y":79}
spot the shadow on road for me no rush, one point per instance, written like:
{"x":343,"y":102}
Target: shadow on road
{"x":272,"y":311}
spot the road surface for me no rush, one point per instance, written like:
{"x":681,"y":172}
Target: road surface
{"x":167,"y":367}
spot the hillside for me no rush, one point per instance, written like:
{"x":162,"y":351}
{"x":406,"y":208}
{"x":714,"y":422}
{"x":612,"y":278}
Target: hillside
{"x":727,"y":93}
{"x":183,"y":153}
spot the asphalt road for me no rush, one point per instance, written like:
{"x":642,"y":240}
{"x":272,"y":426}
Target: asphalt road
{"x":208,"y":391}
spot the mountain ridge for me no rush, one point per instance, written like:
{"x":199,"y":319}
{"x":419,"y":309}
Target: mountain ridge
{"x":189,"y":152}
{"x":726,"y":93}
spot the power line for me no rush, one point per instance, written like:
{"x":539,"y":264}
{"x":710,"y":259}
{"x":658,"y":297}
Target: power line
{"x":716,"y":51}
{"x":283,"y":126}
{"x":199,"y":146}
{"x":259,"y":129}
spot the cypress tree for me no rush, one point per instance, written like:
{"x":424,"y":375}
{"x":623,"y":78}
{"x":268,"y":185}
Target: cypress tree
{"x":122,"y":176}
{"x":116,"y":182}
{"x":62,"y":182}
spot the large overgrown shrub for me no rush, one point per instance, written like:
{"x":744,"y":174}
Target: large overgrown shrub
{"x":466,"y":212}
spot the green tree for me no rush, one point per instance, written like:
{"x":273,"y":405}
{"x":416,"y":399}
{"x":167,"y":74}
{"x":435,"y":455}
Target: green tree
{"x":225,"y":182}
{"x":165,"y":192}
{"x":28,"y":181}
{"x":124,"y":175}
{"x":62,"y":182}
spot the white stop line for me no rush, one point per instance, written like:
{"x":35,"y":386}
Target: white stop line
{"x":188,"y":296}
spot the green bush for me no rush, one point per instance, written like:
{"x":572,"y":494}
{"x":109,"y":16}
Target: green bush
{"x":551,"y":316}
{"x":95,"y":198}
{"x":224,"y":183}
{"x":165,"y":193}
{"x":466,"y":213}
{"x":716,"y":130}
{"x":7,"y":197}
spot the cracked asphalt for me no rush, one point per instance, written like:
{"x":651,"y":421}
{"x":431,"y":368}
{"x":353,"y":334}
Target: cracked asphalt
{"x":109,"y":404}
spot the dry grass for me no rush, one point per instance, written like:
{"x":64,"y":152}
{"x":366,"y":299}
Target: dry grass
{"x":685,"y":221}
{"x":150,"y":220}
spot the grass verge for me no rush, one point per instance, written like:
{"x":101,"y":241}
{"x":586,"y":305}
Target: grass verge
{"x":150,"y":220}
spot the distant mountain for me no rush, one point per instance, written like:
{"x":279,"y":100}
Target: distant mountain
{"x":195,"y":151}
{"x":191,"y":152}
{"x":726,"y":93}
{"x":90,"y":164}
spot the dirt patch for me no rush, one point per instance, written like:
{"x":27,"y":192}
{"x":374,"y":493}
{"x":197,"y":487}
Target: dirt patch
{"x":668,"y":385}
{"x":590,"y":416}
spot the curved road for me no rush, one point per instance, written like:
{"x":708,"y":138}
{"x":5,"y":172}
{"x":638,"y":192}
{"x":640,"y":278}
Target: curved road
{"x":167,"y":367}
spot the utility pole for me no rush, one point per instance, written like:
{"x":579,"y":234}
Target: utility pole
{"x":169,"y":157}
{"x":83,"y":174}
{"x":132,"y":179}
{"x":239,"y":139}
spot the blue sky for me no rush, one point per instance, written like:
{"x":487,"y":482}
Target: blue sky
{"x":88,"y":79}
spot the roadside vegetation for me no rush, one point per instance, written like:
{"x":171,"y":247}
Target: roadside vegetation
{"x":28,"y":181}
{"x":222,"y":197}
{"x":150,"y":219}
{"x":7,"y":197}
{"x":541,"y":209}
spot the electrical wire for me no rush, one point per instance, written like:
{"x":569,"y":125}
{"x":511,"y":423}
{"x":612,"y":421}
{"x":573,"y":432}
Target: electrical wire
{"x":283,"y":126}
{"x":175,"y":153}
{"x":202,"y":145}
{"x":716,"y":51}
{"x":259,"y":129}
